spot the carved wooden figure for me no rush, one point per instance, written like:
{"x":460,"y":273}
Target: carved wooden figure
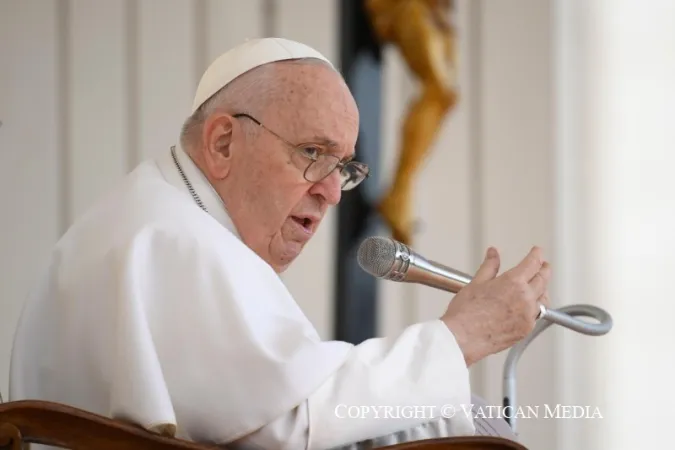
{"x":425,"y":37}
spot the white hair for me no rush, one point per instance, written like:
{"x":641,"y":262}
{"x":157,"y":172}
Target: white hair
{"x":250,"y":93}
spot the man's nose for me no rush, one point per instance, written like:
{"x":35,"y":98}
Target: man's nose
{"x":330,"y":188}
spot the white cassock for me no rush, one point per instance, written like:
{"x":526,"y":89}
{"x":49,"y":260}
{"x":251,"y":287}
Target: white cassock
{"x":153,"y":311}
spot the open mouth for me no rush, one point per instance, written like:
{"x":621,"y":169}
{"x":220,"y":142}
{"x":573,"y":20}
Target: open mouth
{"x":304,"y":222}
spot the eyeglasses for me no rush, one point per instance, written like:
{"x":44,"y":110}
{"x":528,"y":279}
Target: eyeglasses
{"x":322,"y":163}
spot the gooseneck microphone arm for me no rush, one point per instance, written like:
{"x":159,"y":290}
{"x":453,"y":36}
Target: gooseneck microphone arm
{"x":391,"y":260}
{"x":514,"y":354}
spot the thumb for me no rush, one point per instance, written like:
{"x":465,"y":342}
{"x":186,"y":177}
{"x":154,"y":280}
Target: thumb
{"x":489,"y":268}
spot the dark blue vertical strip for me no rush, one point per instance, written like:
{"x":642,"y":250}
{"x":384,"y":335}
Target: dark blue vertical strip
{"x":356,"y":291}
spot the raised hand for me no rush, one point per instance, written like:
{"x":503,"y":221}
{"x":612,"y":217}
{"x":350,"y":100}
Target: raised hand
{"x":494,"y":312}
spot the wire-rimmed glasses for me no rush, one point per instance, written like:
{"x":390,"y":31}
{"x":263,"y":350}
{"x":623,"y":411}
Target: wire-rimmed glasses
{"x":322,"y":163}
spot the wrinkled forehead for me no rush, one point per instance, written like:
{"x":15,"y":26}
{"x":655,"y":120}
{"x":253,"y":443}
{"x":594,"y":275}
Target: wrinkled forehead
{"x":313,"y":103}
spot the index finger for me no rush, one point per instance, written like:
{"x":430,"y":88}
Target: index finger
{"x":530,"y":265}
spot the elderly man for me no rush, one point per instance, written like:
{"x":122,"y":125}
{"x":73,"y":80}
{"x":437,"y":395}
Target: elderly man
{"x":162,"y":305}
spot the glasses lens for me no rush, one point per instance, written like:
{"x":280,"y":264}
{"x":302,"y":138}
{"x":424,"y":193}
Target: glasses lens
{"x":321,"y":168}
{"x":352,"y":175}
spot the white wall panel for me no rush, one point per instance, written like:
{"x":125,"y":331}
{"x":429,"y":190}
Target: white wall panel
{"x":30,"y":146}
{"x":623,"y":164}
{"x":575,"y":52}
{"x":517,"y":175}
{"x":396,"y":301}
{"x":167,"y":76}
{"x":231,"y":22}
{"x":97,"y":99}
{"x":310,"y":278}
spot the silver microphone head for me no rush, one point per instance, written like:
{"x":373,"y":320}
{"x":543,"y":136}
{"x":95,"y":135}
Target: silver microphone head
{"x":381,"y":257}
{"x":391,"y":260}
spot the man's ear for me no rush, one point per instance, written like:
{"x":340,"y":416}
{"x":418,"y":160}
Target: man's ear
{"x":217,"y":138}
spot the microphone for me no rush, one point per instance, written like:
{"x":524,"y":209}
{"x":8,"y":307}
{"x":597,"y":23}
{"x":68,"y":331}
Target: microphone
{"x":389,"y":259}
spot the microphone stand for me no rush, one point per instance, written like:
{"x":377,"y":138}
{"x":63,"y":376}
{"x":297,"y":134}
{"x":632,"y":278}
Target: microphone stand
{"x":402,"y":264}
{"x":562,"y":316}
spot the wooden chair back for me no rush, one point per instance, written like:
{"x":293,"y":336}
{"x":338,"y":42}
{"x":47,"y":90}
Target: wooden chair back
{"x":58,"y":425}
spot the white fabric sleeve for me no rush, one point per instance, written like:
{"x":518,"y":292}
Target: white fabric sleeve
{"x":395,"y":384}
{"x":403,"y":386}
